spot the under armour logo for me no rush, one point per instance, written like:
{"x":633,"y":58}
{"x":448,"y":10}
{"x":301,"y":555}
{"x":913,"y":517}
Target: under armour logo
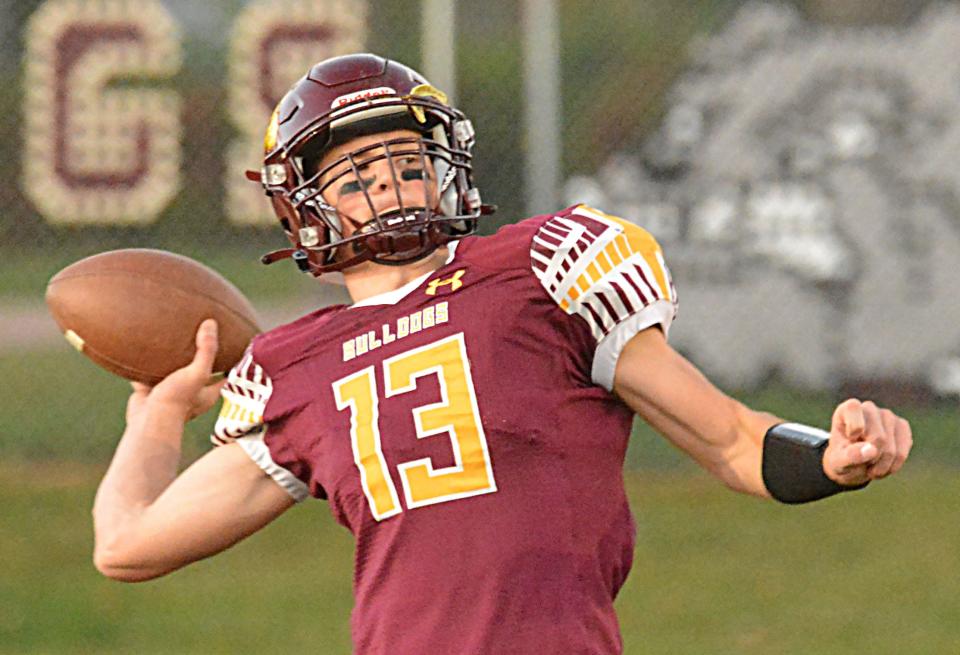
{"x":453,"y":281}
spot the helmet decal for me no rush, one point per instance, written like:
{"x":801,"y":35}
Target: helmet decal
{"x":366,"y":94}
{"x":426,"y":91}
{"x":270,"y":138}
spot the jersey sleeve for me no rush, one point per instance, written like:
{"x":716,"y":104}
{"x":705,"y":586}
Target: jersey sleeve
{"x":245,"y":395}
{"x":609,"y":272}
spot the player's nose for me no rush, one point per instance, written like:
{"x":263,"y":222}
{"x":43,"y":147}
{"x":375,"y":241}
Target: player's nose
{"x":389,"y":188}
{"x":386,"y":176}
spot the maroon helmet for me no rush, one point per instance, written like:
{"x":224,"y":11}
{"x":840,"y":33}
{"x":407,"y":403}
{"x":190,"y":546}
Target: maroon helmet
{"x":357,"y":95}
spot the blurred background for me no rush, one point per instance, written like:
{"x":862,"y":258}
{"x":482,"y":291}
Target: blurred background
{"x":796,"y":160}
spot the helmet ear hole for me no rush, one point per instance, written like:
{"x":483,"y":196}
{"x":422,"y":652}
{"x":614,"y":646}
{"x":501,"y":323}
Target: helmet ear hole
{"x":311,"y":154}
{"x":311,"y":165}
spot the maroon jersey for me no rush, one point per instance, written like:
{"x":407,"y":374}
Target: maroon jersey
{"x":463,"y":429}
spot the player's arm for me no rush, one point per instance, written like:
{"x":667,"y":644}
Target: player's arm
{"x":148,"y":521}
{"x":728,"y":439}
{"x":612,"y":275}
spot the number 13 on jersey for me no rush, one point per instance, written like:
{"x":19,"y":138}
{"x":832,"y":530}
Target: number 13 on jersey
{"x":456,"y":415}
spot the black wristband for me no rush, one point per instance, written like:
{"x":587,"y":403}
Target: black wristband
{"x":792,"y":466}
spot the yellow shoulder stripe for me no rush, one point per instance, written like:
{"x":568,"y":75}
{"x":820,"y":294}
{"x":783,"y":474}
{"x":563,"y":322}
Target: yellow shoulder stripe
{"x":634,"y":239}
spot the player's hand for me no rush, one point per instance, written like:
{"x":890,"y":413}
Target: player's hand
{"x":188,"y":391}
{"x":866,"y":443}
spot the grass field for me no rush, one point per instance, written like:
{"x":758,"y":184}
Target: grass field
{"x":714,"y":572}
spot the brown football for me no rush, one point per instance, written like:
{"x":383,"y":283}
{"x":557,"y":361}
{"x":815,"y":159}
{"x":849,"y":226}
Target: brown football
{"x":135,"y":312}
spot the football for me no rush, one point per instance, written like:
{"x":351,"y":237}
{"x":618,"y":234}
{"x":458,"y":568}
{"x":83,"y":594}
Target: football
{"x":136,"y":311}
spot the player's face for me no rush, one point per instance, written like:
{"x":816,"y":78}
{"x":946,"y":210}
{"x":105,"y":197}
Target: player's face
{"x":377,"y":182}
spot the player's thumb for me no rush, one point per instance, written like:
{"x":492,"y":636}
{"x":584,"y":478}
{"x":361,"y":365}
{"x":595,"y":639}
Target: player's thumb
{"x":207,"y":344}
{"x":852,"y":456}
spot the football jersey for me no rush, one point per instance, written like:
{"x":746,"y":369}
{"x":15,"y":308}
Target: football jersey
{"x":463,"y":429}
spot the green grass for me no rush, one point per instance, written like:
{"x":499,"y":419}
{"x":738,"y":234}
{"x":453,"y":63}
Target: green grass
{"x":872,"y":572}
{"x":714,"y":572}
{"x":61,"y":406}
{"x":290,"y":582}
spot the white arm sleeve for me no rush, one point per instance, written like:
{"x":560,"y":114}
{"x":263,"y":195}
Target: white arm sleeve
{"x":245,"y":396}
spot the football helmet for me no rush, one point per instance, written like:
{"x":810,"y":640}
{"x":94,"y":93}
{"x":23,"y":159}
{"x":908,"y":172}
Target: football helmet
{"x":350,"y":96}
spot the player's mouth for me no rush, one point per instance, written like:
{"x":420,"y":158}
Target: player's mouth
{"x":397,"y":237}
{"x":397,"y":219}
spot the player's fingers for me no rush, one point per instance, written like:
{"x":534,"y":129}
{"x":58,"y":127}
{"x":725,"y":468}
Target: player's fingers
{"x":207,"y":398}
{"x":879,"y":432}
{"x":903,"y":436}
{"x":140,"y":387}
{"x":207,"y":344}
{"x":854,"y":456}
{"x":137,"y":400}
{"x":215,"y":385}
{"x":848,"y":420}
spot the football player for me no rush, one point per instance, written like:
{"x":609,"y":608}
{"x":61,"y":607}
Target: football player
{"x":466,"y":418}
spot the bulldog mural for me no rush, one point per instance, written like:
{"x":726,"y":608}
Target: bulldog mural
{"x":804,"y":186}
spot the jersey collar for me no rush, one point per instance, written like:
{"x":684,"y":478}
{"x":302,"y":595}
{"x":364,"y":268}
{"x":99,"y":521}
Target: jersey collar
{"x":395,"y":296}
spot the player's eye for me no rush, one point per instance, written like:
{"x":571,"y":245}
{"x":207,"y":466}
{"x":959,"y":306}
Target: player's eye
{"x":354,"y":186}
